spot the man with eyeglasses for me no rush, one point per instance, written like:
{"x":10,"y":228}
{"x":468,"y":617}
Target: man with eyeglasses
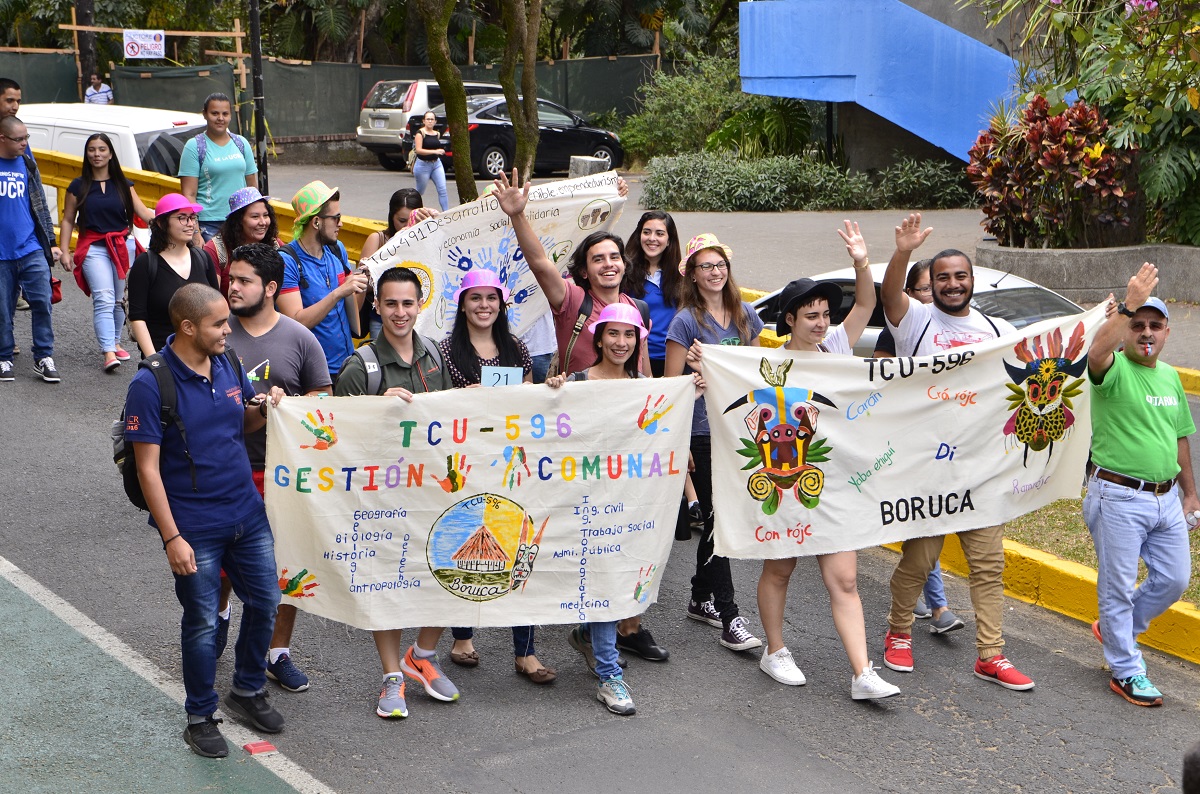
{"x":319,"y":289}
{"x":10,"y":104}
{"x":27,"y":250}
{"x":1141,"y":495}
{"x":922,"y":329}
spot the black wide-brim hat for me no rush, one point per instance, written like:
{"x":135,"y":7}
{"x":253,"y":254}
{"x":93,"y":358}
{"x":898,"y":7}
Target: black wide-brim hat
{"x":800,"y":292}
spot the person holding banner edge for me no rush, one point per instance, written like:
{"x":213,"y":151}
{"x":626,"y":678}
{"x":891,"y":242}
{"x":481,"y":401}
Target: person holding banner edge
{"x":920,"y":329}
{"x":596,"y":272}
{"x":1141,"y":492}
{"x":804,"y":307}
{"x":407,"y":365}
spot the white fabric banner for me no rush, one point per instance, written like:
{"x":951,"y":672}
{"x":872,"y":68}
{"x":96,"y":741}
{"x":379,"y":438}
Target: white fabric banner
{"x":479,"y":235}
{"x":815,"y":453}
{"x":478,"y":507}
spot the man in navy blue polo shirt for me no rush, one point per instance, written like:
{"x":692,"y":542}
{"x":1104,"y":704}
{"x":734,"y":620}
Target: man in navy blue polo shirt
{"x":319,"y":289}
{"x":203,"y":503}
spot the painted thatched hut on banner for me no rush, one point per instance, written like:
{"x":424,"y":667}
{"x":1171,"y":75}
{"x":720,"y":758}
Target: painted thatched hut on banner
{"x":481,"y":553}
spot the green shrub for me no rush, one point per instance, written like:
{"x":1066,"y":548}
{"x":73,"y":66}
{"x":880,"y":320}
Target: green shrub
{"x":925,"y":184}
{"x":711,"y":182}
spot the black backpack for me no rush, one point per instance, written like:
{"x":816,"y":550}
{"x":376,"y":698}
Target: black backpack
{"x":168,"y":415}
{"x":370,"y":360}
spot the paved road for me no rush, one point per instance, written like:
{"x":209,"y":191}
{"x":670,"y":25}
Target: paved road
{"x":708,"y":720}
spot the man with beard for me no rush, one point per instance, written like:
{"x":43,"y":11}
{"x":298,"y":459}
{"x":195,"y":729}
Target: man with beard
{"x":1140,"y":482}
{"x":196,"y":479}
{"x":319,"y":289}
{"x":924,"y":329}
{"x":276,"y":352}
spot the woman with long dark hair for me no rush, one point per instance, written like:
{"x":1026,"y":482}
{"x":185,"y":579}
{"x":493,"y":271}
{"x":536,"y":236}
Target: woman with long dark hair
{"x":653,"y":243}
{"x":157,"y":274}
{"x":251,"y":219}
{"x":102,"y":204}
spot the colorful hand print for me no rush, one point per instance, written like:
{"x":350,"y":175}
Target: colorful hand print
{"x":648,"y":418}
{"x":457,"y":469}
{"x":516,"y":463}
{"x":299,"y":585}
{"x":322,"y":428}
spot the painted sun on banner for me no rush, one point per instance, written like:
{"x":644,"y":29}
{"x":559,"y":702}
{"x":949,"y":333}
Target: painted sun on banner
{"x":478,"y":507}
{"x":476,"y":236}
{"x":816,"y":453}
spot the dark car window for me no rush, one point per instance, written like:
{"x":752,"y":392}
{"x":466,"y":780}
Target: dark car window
{"x":476,"y":104}
{"x":1025,"y":305}
{"x":160,"y":150}
{"x":389,"y":95}
{"x":435,"y":95}
{"x":548,"y":114}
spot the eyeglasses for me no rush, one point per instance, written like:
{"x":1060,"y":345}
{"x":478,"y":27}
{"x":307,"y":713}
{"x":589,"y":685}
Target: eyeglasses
{"x":1154,"y":325}
{"x":186,"y":220}
{"x":922,"y":290}
{"x":707,"y":266}
{"x":335,"y":218}
{"x":21,"y":139}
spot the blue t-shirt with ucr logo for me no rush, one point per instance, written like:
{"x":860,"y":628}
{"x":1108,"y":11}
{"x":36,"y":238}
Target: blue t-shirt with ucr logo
{"x":16,"y":214}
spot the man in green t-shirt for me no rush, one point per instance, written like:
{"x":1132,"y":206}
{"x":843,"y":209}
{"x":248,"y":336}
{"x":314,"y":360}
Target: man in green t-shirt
{"x":1139,"y":474}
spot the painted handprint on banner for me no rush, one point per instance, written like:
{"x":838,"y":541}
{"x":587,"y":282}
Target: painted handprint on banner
{"x":517,"y":466}
{"x":648,"y":419}
{"x":457,"y":469}
{"x":322,"y":428}
{"x":299,"y":585}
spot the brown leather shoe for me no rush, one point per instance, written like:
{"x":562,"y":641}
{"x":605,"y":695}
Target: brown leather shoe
{"x":542,"y":675}
{"x":468,"y":659}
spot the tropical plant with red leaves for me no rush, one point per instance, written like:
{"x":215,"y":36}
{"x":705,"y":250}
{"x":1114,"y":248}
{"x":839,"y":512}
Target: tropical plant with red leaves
{"x":1050,"y":180}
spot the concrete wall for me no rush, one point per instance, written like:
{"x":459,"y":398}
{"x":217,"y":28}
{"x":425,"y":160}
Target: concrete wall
{"x":872,"y":142}
{"x":1089,"y":275}
{"x":1005,"y":37}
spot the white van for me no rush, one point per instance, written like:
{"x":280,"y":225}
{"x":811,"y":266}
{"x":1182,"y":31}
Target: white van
{"x":151,"y":139}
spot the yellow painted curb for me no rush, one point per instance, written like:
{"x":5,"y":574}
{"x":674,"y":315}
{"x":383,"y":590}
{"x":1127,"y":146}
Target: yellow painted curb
{"x":1040,"y":578}
{"x":1190,"y":379}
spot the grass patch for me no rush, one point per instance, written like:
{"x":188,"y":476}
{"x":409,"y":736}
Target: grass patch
{"x":1058,"y":529}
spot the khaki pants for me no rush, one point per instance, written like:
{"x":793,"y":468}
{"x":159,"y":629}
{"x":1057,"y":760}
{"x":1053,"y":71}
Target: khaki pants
{"x":984,"y":550}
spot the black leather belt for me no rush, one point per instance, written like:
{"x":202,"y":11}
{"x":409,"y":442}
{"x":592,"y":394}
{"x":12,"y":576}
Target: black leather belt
{"x":1158,"y":488}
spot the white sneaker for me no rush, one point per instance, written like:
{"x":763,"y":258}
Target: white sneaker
{"x":782,"y":667}
{"x":869,"y":686}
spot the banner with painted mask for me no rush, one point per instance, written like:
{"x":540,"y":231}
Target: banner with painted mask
{"x":814,"y":453}
{"x":478,"y":507}
{"x":478,"y":235}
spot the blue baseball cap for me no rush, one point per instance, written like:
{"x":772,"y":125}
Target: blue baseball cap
{"x":1157,"y":305}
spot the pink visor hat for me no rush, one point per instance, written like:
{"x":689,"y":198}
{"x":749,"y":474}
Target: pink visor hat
{"x":480,"y":278}
{"x":173,"y":202}
{"x":620,"y":313}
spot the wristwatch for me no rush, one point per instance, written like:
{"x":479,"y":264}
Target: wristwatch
{"x":1123,"y":309}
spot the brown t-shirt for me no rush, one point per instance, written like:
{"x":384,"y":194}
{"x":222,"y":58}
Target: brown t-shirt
{"x":583,"y":355}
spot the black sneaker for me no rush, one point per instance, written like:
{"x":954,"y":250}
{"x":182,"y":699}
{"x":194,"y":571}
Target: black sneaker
{"x":46,"y":371}
{"x":642,"y":644}
{"x":222,"y":634}
{"x":6,"y":371}
{"x":205,"y":738}
{"x":256,"y":711}
{"x":696,"y":517}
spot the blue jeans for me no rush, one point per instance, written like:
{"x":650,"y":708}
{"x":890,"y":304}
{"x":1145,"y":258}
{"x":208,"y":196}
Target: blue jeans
{"x":247,"y":553}
{"x":522,"y":638}
{"x":935,"y":590}
{"x":541,"y":366}
{"x":423,"y":171}
{"x":210,"y":229}
{"x":32,"y":274}
{"x":604,"y":647}
{"x":1126,"y":524}
{"x":108,"y":313}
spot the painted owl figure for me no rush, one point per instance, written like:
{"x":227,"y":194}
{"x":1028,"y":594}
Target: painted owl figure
{"x":1042,"y":391}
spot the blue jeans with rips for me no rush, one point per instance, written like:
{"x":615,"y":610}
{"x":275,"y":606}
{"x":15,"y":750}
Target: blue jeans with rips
{"x":31,"y":273}
{"x":246,"y":551}
{"x":1126,"y":524}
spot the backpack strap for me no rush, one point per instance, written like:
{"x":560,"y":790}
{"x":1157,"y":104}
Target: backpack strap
{"x":370,"y":360}
{"x":151,"y":266}
{"x":913,"y":352}
{"x":293,"y":249}
{"x":994,"y":328}
{"x":643,"y":308}
{"x":585,"y":311}
{"x":201,"y":150}
{"x":168,"y":400}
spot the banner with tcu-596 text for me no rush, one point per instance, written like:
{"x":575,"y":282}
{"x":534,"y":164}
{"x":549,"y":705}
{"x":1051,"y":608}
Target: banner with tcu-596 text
{"x":479,"y":235}
{"x":478,"y":507}
{"x":815,"y":453}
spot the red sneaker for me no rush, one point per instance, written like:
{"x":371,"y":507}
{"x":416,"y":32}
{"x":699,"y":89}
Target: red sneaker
{"x":1096,"y":632}
{"x":1001,"y":671}
{"x":897,"y":652}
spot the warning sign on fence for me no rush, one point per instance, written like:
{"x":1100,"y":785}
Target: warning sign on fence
{"x":145,"y":44}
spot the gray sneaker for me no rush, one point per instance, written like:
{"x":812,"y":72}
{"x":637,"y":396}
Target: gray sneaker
{"x":428,"y":672}
{"x":922,"y":611}
{"x":947,"y":621}
{"x":614,"y":694}
{"x":391,"y":698}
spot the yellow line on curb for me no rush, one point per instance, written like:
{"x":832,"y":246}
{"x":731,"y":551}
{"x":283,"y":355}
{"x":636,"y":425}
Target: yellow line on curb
{"x":1190,"y":379}
{"x":1068,"y":588}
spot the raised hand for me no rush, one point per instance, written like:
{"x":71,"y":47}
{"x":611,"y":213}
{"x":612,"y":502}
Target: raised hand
{"x":856,"y":246}
{"x":909,"y":235}
{"x":511,"y":195}
{"x":1141,"y":285}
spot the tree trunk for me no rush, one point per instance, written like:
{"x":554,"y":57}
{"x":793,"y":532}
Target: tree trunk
{"x":522,"y":21}
{"x":85,"y":13}
{"x":436,"y":16}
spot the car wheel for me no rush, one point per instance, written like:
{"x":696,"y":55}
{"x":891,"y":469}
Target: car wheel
{"x":493,"y":163}
{"x":606,"y":154}
{"x":391,"y":163}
